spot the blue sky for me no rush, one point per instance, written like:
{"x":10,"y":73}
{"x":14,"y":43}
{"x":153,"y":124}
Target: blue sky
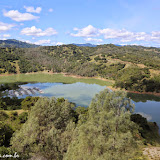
{"x":55,"y":22}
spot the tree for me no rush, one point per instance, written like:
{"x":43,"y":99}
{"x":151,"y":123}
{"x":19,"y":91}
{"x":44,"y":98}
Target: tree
{"x":3,"y":116}
{"x":108,"y":132}
{"x":23,"y":117}
{"x":5,"y":134}
{"x":29,"y":102}
{"x":47,"y":132}
{"x":3,"y":105}
{"x":149,"y":131}
{"x":13,"y":115}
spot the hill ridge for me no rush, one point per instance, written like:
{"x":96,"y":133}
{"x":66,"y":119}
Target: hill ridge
{"x":13,"y":43}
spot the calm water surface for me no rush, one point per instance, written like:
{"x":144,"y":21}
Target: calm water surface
{"x":79,"y":93}
{"x":82,"y":94}
{"x":147,"y":105}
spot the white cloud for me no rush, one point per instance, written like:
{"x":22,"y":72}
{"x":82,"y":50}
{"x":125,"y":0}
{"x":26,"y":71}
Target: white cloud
{"x":88,"y":31}
{"x":156,"y":33}
{"x":112,"y":33}
{"x":124,"y":35}
{"x":33,"y":31}
{"x":109,"y":33}
{"x":43,"y":41}
{"x":93,"y":40}
{"x":50,"y":10}
{"x":48,"y":42}
{"x":6,"y":35}
{"x":17,"y":16}
{"x":59,"y":43}
{"x":24,"y":40}
{"x":32,"y":10}
{"x":155,"y":36}
{"x":75,"y":29}
{"x":27,"y":41}
{"x":5,"y":26}
{"x":2,"y":38}
{"x":120,"y":35}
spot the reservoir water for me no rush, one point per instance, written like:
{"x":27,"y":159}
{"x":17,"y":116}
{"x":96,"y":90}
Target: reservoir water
{"x":82,"y":93}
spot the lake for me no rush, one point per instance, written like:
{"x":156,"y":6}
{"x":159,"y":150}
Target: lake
{"x":82,"y":93}
{"x":147,"y":105}
{"x":79,"y":91}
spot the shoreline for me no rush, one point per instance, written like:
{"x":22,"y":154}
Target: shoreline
{"x":149,"y":93}
{"x":136,"y":92}
{"x":77,"y":76}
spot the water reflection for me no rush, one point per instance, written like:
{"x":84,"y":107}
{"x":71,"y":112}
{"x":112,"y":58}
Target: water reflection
{"x":82,"y":94}
{"x":147,"y":116}
{"x":143,"y":97}
{"x":79,"y":93}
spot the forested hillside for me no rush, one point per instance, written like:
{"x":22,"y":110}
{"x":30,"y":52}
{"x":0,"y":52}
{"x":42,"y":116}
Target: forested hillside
{"x":134,"y":68}
{"x":17,"y":44}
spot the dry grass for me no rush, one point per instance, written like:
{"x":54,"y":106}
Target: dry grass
{"x":19,"y":111}
{"x":141,"y":65}
{"x":154,"y":72}
{"x":153,"y":153}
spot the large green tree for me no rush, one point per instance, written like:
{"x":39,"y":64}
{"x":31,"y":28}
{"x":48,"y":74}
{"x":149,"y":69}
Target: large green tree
{"x":47,"y":132}
{"x":108,"y":133}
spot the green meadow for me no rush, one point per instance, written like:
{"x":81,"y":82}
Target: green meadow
{"x":43,"y":77}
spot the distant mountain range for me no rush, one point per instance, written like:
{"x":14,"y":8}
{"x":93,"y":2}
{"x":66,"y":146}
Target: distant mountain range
{"x":90,"y":45}
{"x":85,"y":45}
{"x":10,"y":43}
{"x":20,"y":44}
{"x":15,"y":43}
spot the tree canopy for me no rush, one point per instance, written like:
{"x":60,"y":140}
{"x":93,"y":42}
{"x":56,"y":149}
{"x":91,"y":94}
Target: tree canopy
{"x":108,"y":132}
{"x":56,"y":130}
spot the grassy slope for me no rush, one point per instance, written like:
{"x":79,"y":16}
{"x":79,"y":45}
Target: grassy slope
{"x":42,"y":77}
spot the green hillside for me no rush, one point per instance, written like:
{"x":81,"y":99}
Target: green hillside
{"x":134,"y":68}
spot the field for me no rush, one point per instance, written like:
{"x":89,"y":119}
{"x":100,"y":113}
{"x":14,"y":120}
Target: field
{"x":44,"y":77}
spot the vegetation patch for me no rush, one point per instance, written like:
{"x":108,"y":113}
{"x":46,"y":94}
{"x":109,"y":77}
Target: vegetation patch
{"x":42,"y":77}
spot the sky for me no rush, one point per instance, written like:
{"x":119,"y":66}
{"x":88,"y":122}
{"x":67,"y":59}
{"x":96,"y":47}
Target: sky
{"x":56,"y":22}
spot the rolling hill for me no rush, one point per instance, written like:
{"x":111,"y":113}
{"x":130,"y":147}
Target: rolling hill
{"x":13,"y":43}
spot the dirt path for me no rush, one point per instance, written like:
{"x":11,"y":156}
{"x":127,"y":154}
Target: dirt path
{"x":153,"y":153}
